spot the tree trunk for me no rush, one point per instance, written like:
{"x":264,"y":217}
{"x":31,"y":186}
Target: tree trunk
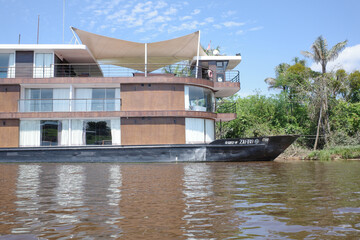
{"x":318,"y":129}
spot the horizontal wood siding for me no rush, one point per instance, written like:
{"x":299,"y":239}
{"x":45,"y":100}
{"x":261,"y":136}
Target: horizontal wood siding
{"x":9,"y":133}
{"x":146,"y":131}
{"x":9,"y":96}
{"x":140,"y":97}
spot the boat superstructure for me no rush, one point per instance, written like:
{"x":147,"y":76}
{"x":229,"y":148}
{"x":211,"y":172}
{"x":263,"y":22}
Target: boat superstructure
{"x":108,"y":91}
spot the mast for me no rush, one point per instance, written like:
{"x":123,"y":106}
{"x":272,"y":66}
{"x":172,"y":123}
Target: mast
{"x":145,"y":59}
{"x":63,"y":20}
{"x":197,"y":57}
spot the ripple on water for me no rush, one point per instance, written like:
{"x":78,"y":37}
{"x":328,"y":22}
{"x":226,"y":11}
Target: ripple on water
{"x":266,"y":200}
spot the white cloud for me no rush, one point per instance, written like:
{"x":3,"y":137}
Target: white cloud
{"x":184,"y":26}
{"x":256,"y":28}
{"x":142,"y":7}
{"x":209,"y":19}
{"x":117,"y":14}
{"x":159,"y":19}
{"x":349,"y":60}
{"x":170,"y":11}
{"x":160,"y":4}
{"x":195,"y":12}
{"x":151,"y":14}
{"x":152,"y":17}
{"x":185,"y":18}
{"x":228,"y":13}
{"x":233,"y":24}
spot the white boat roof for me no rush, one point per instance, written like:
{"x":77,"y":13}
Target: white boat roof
{"x":107,"y":50}
{"x":233,"y":60}
{"x":73,"y":53}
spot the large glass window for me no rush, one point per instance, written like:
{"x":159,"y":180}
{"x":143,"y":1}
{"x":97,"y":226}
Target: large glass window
{"x":43,"y":65}
{"x":98,"y":132}
{"x":39,"y":99}
{"x":199,"y":99}
{"x":7,"y":65}
{"x":103,"y":99}
{"x":49,"y":132}
{"x":97,"y":99}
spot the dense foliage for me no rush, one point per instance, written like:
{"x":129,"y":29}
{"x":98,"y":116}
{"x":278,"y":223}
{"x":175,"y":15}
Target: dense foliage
{"x":295,"y":110}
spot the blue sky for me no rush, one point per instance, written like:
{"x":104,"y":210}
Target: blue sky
{"x":265,"y":32}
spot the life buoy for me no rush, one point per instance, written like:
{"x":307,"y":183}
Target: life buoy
{"x":210,"y":74}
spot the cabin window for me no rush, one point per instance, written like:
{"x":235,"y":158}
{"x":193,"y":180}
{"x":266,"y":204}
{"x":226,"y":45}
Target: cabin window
{"x":199,"y":99}
{"x":103,"y":99}
{"x":199,"y":130}
{"x":49,"y":132}
{"x":43,"y":67}
{"x":39,"y":99}
{"x":97,"y":99}
{"x":98,"y":132}
{"x":7,"y":65}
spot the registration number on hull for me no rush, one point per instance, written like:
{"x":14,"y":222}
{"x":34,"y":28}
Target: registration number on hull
{"x":246,"y":141}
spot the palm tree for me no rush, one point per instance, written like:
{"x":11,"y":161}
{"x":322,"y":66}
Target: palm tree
{"x":321,"y":54}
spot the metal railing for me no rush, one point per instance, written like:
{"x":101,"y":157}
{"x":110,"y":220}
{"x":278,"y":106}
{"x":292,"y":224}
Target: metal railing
{"x":225,"y":107}
{"x":232,"y":76}
{"x":104,"y":70}
{"x":70,"y":105}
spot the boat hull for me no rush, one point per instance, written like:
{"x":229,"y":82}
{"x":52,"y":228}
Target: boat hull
{"x":236,"y":150}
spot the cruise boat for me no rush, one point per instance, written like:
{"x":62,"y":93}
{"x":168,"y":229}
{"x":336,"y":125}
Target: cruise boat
{"x":111,"y":100}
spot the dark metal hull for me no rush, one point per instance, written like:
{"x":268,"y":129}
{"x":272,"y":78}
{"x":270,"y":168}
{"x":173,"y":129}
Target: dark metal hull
{"x":236,"y":150}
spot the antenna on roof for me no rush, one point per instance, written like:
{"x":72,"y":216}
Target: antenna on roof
{"x":38,"y":29}
{"x":19,"y":37}
{"x":63,"y":21}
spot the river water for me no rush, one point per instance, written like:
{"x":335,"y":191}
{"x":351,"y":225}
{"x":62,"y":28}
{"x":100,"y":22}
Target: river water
{"x":254,"y":200}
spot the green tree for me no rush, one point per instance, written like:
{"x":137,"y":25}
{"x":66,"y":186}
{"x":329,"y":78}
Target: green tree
{"x":321,"y":54}
{"x":354,"y":81}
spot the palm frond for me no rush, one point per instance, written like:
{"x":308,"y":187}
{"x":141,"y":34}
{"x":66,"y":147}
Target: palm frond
{"x":335,"y":50}
{"x":307,"y":54}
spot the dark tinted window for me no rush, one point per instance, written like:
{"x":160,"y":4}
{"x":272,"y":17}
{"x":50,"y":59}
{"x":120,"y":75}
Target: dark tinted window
{"x":98,"y":133}
{"x":49,"y":132}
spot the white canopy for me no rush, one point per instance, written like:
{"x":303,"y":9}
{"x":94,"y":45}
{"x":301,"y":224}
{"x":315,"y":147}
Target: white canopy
{"x":134,"y":55}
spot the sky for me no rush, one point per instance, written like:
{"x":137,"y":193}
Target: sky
{"x":265,"y":32}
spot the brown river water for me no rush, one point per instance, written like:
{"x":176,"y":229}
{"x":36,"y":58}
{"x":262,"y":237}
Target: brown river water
{"x":253,"y":200}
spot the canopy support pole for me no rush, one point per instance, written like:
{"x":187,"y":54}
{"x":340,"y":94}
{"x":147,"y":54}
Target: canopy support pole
{"x":197,"y":57}
{"x":145,"y":59}
{"x":76,"y":39}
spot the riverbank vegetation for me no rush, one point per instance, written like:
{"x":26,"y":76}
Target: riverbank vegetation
{"x":338,"y":152}
{"x":322,"y":107}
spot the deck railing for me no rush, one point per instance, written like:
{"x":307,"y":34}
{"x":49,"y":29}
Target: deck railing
{"x":104,"y":70}
{"x":70,"y":105}
{"x":225,"y":107}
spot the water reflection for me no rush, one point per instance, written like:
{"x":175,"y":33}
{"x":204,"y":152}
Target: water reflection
{"x":199,"y":205}
{"x":114,"y":197}
{"x":180,"y":201}
{"x":151,"y":201}
{"x":69,"y":192}
{"x":27,"y":187}
{"x":114,"y":194}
